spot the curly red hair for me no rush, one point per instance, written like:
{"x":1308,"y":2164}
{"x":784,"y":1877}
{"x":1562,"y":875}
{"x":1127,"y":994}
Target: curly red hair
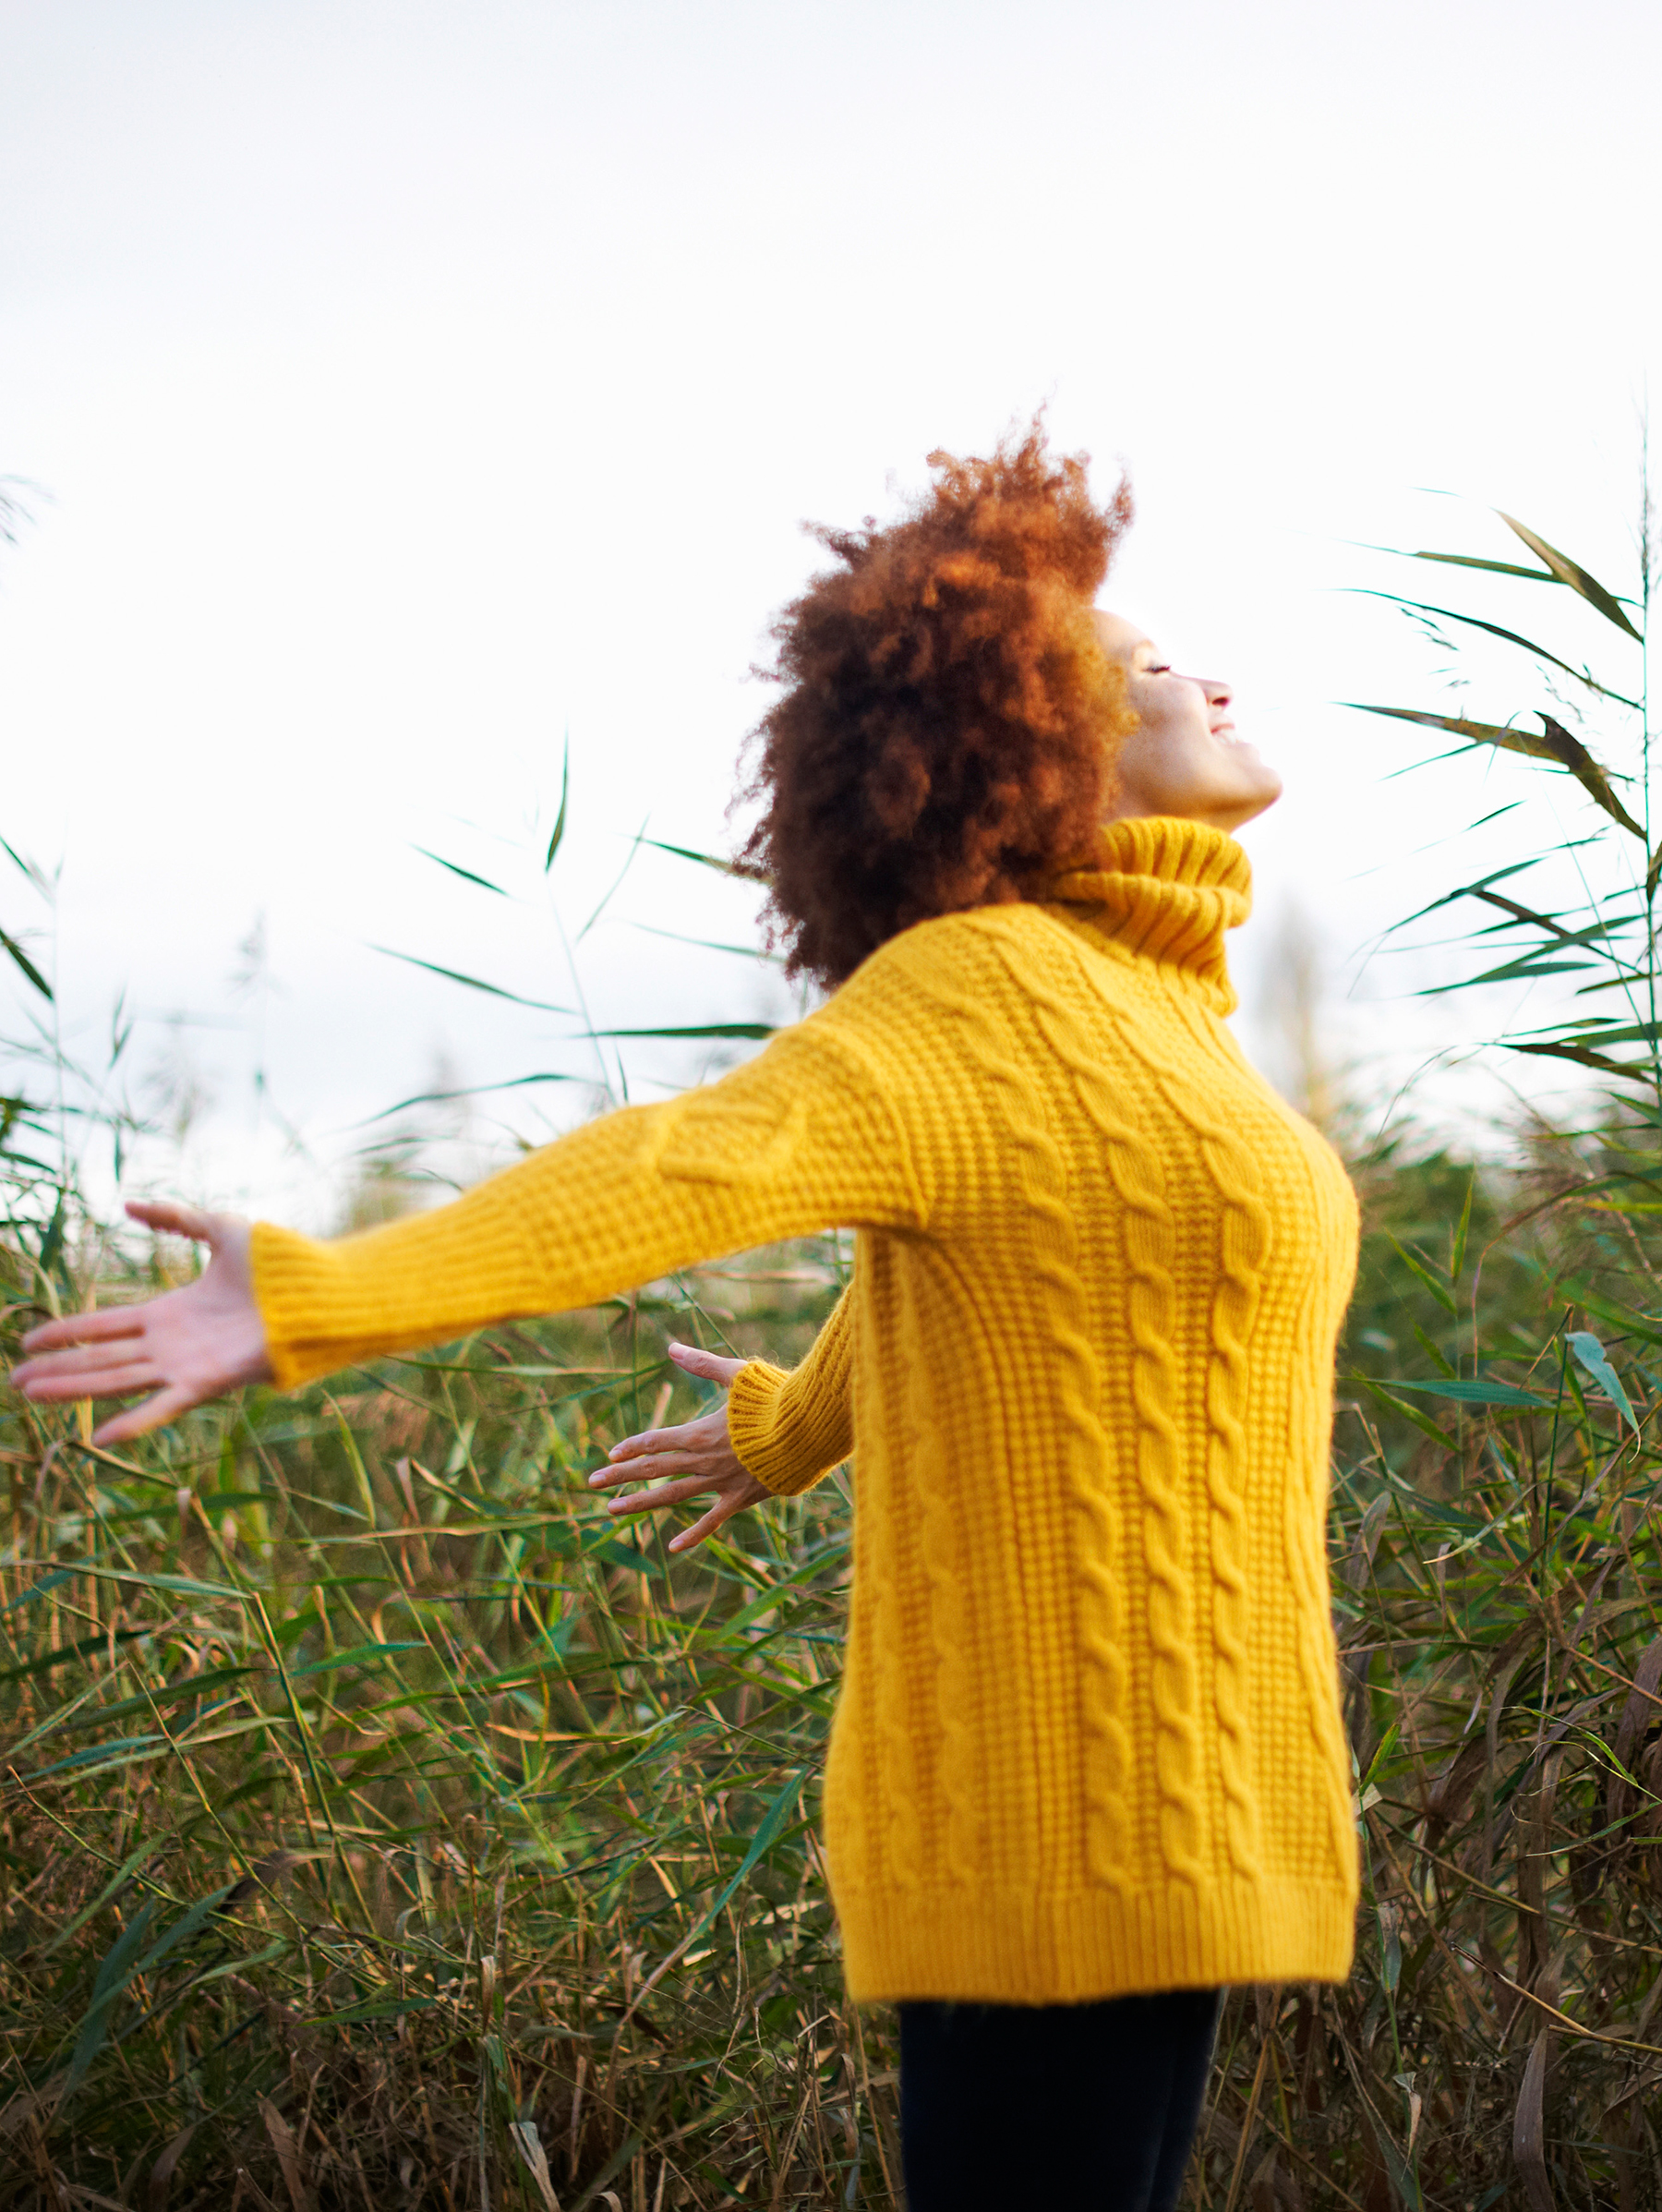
{"x":948,"y":716}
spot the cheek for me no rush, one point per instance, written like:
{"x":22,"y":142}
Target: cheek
{"x":1162,"y":746}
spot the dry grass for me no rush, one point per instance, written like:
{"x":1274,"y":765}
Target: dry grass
{"x":382,"y":1825}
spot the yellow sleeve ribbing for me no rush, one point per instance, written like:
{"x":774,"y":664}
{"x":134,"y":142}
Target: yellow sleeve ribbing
{"x":791,"y":1430}
{"x":800,"y":1140}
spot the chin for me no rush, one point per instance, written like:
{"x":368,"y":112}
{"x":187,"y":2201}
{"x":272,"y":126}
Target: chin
{"x":1265,"y":791}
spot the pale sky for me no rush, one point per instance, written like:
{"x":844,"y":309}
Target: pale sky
{"x":410,"y":384}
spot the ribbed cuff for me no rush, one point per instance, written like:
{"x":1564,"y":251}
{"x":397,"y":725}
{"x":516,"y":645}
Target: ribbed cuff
{"x":753,"y":1404}
{"x":789,"y":1430}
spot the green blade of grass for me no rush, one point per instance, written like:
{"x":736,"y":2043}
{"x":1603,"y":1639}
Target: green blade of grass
{"x":1570,"y":572}
{"x":1556,"y":743}
{"x":1511,"y":637}
{"x":22,"y":962}
{"x":473,"y":982}
{"x":119,"y":1964}
{"x":466,"y":874}
{"x":707,"y":860}
{"x":1477,"y":1393}
{"x":560,"y":820}
{"x":1591,"y":1355}
{"x":752,"y":1030}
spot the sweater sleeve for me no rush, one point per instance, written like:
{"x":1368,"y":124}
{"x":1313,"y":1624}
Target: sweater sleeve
{"x":801,"y":1139}
{"x":791,"y":1430}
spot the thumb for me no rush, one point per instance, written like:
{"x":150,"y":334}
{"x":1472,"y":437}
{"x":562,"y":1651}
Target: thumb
{"x":175,"y":1220}
{"x":710,"y":1367}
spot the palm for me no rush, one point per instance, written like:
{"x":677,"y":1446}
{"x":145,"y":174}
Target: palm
{"x":686,"y":1462}
{"x":184,"y":1347}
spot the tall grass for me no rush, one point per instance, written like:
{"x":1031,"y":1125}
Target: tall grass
{"x":380,"y":1820}
{"x":378,"y":1814}
{"x":383,"y":1825}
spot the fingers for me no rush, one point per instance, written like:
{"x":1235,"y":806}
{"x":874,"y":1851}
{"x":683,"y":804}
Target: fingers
{"x":650,"y":1465}
{"x":651,"y":1470}
{"x":709,"y":1367}
{"x":665,"y":1493}
{"x":175,"y":1220}
{"x":706,"y":1433}
{"x":721,"y":1512}
{"x":89,"y":1374}
{"x":154,"y":1413}
{"x":85,"y":1328}
{"x":689,"y":1437}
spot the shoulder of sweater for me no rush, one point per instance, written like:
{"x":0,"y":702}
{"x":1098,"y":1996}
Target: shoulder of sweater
{"x":945,"y":950}
{"x":906,"y":987}
{"x":935,"y":969}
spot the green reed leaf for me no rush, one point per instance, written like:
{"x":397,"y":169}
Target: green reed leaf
{"x":756,"y":952}
{"x":1498,"y":568}
{"x":48,"y":1661}
{"x":1555,"y":744}
{"x":1477,"y":1393}
{"x":1570,"y":572}
{"x":1387,"y":1395}
{"x":119,"y":1964}
{"x":359,"y":1655}
{"x":560,"y":820}
{"x":1511,"y":637}
{"x":473,"y":982}
{"x":756,"y":1030}
{"x":1584,"y":1056}
{"x":707,"y":860}
{"x":21,"y":959}
{"x":1457,"y":1254}
{"x":767,"y":1831}
{"x":466,"y":874}
{"x":516,"y":1082}
{"x":1417,"y":1267}
{"x":1590,"y":1354}
{"x":56,"y":1581}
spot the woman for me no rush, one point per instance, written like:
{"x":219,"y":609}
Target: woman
{"x":1087,"y":1766}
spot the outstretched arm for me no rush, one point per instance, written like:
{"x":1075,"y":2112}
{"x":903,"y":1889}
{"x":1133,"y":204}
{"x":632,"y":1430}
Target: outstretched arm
{"x":800,"y":1140}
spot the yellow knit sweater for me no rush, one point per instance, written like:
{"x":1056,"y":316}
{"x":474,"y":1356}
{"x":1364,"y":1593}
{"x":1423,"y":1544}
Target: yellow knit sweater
{"x":1088,"y":1738}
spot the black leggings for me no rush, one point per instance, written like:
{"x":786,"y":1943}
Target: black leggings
{"x":1090,"y":2107}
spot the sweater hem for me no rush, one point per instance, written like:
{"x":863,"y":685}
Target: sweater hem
{"x":981,"y":1947}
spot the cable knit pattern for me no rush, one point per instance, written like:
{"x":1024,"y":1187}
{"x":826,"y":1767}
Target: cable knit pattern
{"x":1089,"y":1739}
{"x":1052,"y":1241}
{"x":1243,"y":1247}
{"x":951,"y":1631}
{"x":1150,"y":1249}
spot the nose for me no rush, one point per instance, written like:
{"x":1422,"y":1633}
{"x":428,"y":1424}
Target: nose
{"x":1218,"y":693}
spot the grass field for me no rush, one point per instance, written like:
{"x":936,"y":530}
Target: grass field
{"x":381,"y":1825}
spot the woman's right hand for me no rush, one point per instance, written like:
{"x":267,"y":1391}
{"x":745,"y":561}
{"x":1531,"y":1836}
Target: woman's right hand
{"x":186,"y":1347}
{"x":686,"y":1462}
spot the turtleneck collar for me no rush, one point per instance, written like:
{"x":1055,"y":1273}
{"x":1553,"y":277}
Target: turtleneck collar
{"x":1165,"y":889}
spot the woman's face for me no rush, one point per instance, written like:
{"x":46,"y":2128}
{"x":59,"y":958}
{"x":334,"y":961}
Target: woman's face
{"x":1184,"y":757}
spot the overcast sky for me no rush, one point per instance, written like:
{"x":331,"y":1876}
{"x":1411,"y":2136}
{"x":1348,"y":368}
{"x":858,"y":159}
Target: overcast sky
{"x":407,"y":385}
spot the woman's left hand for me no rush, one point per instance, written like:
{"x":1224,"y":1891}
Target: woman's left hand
{"x":685,"y":1462}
